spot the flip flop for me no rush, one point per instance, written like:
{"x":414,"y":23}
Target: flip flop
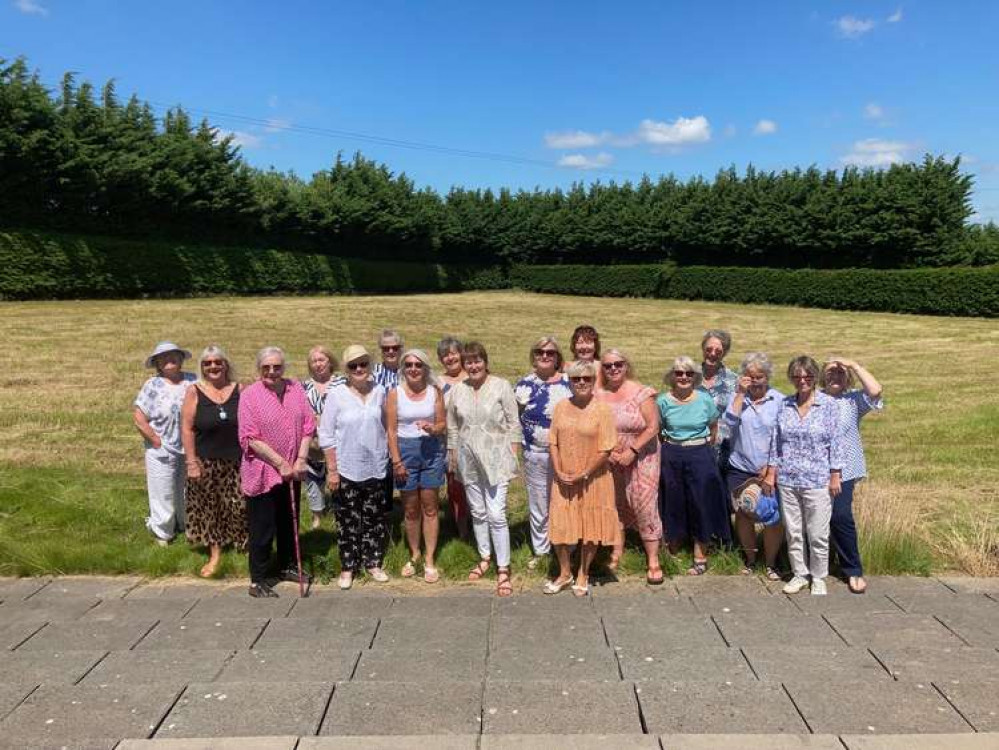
{"x":656,"y":581}
{"x":430,"y":575}
{"x":408,"y":570}
{"x":699,"y":568}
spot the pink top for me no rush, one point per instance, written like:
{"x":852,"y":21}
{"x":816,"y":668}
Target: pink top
{"x":281,"y":423}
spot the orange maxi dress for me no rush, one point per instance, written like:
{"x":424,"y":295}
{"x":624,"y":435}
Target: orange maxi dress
{"x":587,"y":512}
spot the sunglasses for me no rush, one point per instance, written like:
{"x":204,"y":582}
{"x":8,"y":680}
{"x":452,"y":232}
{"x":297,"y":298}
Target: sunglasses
{"x":395,"y":348}
{"x":682,"y":374}
{"x":413,"y":365}
{"x":545,"y":353}
{"x":617,"y":365}
{"x":805,"y":378}
{"x":212,"y":362}
{"x":355,"y":366}
{"x":581,"y":379}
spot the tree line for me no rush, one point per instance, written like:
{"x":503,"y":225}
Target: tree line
{"x":81,"y":160}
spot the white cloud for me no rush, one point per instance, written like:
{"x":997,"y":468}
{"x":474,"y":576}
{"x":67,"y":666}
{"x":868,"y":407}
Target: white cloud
{"x":31,"y":7}
{"x":276,"y":125}
{"x":852,"y":27}
{"x":681,"y":131}
{"x":874,"y":111}
{"x":873,"y":152}
{"x":582,"y":161}
{"x":765,"y":127}
{"x":896,"y":16}
{"x":240,"y":138}
{"x":574,"y":139}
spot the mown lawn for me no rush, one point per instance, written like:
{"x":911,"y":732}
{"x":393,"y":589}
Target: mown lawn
{"x":72,"y":490}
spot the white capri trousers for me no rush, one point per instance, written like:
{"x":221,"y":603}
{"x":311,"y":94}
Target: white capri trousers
{"x":538,"y":478}
{"x":807,"y":510}
{"x":487,"y":507}
{"x":166,"y":477}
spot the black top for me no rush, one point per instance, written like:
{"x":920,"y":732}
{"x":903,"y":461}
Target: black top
{"x":215,"y":427}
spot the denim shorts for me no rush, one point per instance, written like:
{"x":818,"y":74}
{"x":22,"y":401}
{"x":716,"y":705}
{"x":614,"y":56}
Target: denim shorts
{"x":424,"y":461}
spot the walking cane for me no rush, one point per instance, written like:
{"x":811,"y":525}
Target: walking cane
{"x":298,"y":549}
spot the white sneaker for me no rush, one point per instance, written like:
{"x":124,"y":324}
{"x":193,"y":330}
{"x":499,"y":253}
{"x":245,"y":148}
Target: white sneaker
{"x":346,"y":581}
{"x":819,"y":587}
{"x":378,"y":575}
{"x":795,"y":585}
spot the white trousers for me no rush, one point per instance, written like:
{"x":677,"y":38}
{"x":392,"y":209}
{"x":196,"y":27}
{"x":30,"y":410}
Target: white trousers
{"x":538,"y":477}
{"x":487,"y":507}
{"x":807,"y":511}
{"x":166,"y":476}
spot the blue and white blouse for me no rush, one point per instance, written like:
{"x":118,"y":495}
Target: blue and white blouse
{"x":750,"y":430}
{"x":537,"y":398}
{"x":853,"y":406}
{"x":386,"y":378}
{"x":805,"y":450}
{"x":721,"y":392}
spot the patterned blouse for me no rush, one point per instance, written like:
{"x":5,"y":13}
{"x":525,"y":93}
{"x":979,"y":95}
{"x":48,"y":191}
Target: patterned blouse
{"x":282,"y":423}
{"x":721,"y":392}
{"x":481,"y":426}
{"x":537,"y":399}
{"x":853,"y":406}
{"x":160,"y":400}
{"x":386,"y":378}
{"x":806,"y":450}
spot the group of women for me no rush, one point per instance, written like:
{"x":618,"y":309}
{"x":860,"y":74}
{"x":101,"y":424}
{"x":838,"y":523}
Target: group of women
{"x":601,"y":454}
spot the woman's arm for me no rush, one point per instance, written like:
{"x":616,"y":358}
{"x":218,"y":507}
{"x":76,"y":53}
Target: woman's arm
{"x":187,"y":410}
{"x":440,"y":417}
{"x":872,"y":387}
{"x":391,"y":428}
{"x":511,"y":415}
{"x":332,"y":471}
{"x":143,"y":426}
{"x":650,"y":413}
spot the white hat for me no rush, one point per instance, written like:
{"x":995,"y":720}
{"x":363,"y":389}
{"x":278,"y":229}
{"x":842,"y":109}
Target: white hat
{"x":162,"y":348}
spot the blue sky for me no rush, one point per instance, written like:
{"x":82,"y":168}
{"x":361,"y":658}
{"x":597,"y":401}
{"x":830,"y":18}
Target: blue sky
{"x":554,"y":91}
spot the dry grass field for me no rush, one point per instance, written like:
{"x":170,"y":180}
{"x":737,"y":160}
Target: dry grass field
{"x":71,"y":482}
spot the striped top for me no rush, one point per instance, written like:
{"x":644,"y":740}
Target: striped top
{"x":281,"y":423}
{"x":386,"y":378}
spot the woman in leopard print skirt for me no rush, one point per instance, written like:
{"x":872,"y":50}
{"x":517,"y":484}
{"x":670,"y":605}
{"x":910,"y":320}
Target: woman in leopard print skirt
{"x":216,"y":509}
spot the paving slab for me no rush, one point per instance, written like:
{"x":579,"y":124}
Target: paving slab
{"x":48,"y":667}
{"x":166,"y":666}
{"x":416,"y":664}
{"x":975,"y":629}
{"x":218,"y":607}
{"x":341,"y":606}
{"x":711,"y":707}
{"x":977,"y":700}
{"x":968,"y":584}
{"x":15,"y":589}
{"x":179,"y":589}
{"x":319,"y":633}
{"x":898,"y":585}
{"x":391,"y":742}
{"x":111,"y":635}
{"x":425,"y":632}
{"x":874,"y":630}
{"x":576,"y":742}
{"x":12,"y":693}
{"x":406,"y":708}
{"x":651,"y":606}
{"x":247,"y":709}
{"x":729,"y":585}
{"x":776,"y":605}
{"x":716,"y":663}
{"x":849,"y":604}
{"x":924,"y":742}
{"x":283,"y":665}
{"x":749,"y":630}
{"x":13,"y":634}
{"x":560,"y":707}
{"x":557,"y":659}
{"x":938,"y":603}
{"x":584,"y":627}
{"x":855,"y":707}
{"x":750,"y":742}
{"x":152,"y":609}
{"x":59,"y":714}
{"x":63,"y":609}
{"x":106,"y":743}
{"x":638,"y":633}
{"x":926,"y":663}
{"x":442,"y":606}
{"x":213,"y":743}
{"x":200,"y":634}
{"x":96,"y":587}
{"x":777,"y":662}
{"x":533,"y":605}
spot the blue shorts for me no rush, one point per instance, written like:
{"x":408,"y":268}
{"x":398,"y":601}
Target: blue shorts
{"x":424,"y":461}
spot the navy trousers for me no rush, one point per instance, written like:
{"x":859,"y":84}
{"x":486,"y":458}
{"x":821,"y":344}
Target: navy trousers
{"x":692,"y":499}
{"x":843,"y":531}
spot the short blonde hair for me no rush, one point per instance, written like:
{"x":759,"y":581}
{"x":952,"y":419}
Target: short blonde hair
{"x":686,"y":364}
{"x":629,"y":369}
{"x":320,"y":349}
{"x":579,"y":369}
{"x":559,"y":359}
{"x":217,"y":352}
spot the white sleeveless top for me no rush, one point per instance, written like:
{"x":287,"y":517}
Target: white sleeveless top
{"x":409,"y":411}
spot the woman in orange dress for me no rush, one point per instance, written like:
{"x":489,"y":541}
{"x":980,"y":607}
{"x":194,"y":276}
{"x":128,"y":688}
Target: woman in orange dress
{"x":582,"y":506}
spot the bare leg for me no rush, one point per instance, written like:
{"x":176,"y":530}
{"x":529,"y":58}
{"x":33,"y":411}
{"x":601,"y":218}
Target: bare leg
{"x":617,"y":551}
{"x":773,"y":537}
{"x":214,"y":560}
{"x":563,"y":552}
{"x":745,"y":528}
{"x":411,"y":511}
{"x":651,"y":546}
{"x":431,"y":524}
{"x":586,"y":556}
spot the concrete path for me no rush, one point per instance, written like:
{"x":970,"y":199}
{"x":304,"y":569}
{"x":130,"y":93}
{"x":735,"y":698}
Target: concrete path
{"x":712,"y":662}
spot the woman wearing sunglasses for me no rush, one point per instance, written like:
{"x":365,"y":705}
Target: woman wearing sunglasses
{"x":353,"y":438}
{"x":414,"y":419}
{"x":582,"y":504}
{"x":693,"y":498}
{"x":537,"y":395}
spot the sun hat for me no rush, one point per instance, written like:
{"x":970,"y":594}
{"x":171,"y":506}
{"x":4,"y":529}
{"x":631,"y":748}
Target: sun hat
{"x":163,"y":348}
{"x":768,"y":510}
{"x":354,"y":351}
{"x":749,"y":498}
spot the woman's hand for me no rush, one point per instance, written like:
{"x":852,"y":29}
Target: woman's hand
{"x":627,"y":458}
{"x":742,"y":384}
{"x":156,"y":441}
{"x":769,"y":481}
{"x":399,"y":471}
{"x":300,"y":468}
{"x":333,"y":481}
{"x":194,"y":469}
{"x":835,"y":485}
{"x":286,"y":470}
{"x":424,"y":425}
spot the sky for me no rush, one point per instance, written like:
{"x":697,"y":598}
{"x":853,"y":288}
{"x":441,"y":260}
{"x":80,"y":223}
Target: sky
{"x":544,"y":94}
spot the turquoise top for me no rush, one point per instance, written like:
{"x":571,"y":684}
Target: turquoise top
{"x":688,"y":421}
